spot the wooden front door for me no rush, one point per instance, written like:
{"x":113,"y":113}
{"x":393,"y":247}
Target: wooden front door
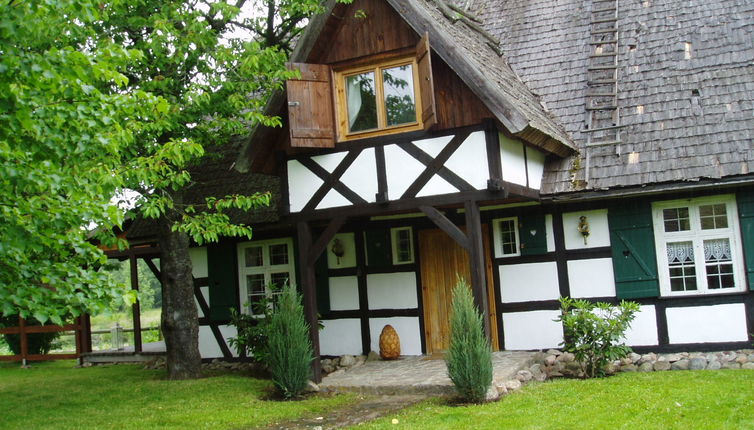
{"x":441,"y":259}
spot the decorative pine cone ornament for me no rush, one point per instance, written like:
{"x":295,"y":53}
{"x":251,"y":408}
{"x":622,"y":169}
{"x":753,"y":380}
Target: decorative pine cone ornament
{"x":390,"y":343}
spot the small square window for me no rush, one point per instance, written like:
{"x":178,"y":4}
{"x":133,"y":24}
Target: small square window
{"x":254,"y":256}
{"x":713,"y":216}
{"x":278,"y":254}
{"x":403,"y":245}
{"x":676,"y":219}
{"x":506,"y":237}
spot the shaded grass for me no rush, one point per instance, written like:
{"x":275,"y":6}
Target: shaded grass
{"x":58,"y":396}
{"x":722,"y":399}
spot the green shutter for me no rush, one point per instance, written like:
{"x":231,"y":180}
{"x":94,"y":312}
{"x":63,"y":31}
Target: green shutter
{"x":746,"y":214}
{"x":322,"y":284}
{"x":222,"y":273}
{"x":532,"y":234}
{"x":378,"y":248}
{"x":633,"y":247}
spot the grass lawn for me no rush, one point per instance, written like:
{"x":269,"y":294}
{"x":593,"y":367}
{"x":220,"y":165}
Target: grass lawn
{"x":721,"y":399}
{"x":58,"y":396}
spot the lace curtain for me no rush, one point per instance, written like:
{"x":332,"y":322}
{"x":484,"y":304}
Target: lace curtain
{"x":680,"y":252}
{"x":717,"y":250}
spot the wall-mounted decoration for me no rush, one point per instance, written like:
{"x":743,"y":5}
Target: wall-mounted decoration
{"x":583,"y":227}
{"x":338,"y":249}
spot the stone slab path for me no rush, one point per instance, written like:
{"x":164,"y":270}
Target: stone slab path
{"x":416,"y":375}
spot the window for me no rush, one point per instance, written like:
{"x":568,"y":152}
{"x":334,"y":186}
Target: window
{"x":378,"y":99}
{"x":698,"y":251}
{"x":403,"y":245}
{"x":507,"y":243}
{"x":264,"y":267}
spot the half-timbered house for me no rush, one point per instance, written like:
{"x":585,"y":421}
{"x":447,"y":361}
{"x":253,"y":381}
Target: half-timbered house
{"x":597,"y":149}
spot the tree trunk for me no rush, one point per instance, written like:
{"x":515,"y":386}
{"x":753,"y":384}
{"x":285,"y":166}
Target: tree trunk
{"x":180,"y":321}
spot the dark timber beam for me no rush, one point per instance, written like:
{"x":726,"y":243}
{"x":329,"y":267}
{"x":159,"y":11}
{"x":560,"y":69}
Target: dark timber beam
{"x":435,"y":165}
{"x":321,"y":244}
{"x":308,"y":286}
{"x":476,"y":262}
{"x":136,"y":308}
{"x":447,"y":226}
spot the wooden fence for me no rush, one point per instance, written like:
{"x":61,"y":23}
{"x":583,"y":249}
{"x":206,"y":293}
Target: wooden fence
{"x":82,"y":333}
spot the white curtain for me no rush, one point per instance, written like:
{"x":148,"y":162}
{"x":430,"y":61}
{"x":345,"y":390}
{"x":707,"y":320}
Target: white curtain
{"x":717,"y":250}
{"x":680,"y":252}
{"x":353,"y":98}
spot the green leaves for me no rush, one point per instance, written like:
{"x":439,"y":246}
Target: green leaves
{"x":595,"y":332}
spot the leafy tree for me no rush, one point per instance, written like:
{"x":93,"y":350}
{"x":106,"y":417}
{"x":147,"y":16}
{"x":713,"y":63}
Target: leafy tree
{"x":65,"y":117}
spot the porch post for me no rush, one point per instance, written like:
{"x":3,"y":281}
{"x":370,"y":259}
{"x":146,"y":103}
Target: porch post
{"x":308,"y":286}
{"x":136,"y":307}
{"x":477,"y":263}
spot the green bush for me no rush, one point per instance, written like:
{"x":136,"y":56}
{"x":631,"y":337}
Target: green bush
{"x":251,"y":338}
{"x":38,"y":343}
{"x":469,"y":357}
{"x":594,"y":332}
{"x":289,"y":349}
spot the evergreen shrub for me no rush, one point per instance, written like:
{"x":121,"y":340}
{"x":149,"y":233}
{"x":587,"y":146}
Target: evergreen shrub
{"x":289,"y":349}
{"x":469,"y":357}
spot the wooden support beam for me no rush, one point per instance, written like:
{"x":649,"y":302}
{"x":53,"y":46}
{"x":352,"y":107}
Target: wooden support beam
{"x":477,"y":263}
{"x":309,"y":287}
{"x":136,"y":308}
{"x":447,"y":226}
{"x":494,"y":162}
{"x":434,"y":166}
{"x":320,"y":245}
{"x":153,"y":268}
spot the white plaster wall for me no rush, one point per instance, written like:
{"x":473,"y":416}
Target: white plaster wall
{"x":333,"y":199}
{"x":401,"y":170}
{"x":344,"y":293}
{"x":469,"y":161}
{"x":550,"y":234}
{"x":591,"y":278}
{"x":349,"y":248}
{"x":643,"y":330}
{"x":535,"y":161}
{"x":302,"y":184}
{"x":434,"y":145}
{"x":330,"y":161}
{"x":512,"y":157}
{"x":700,"y":324}
{"x":532,"y":330}
{"x":208,"y":347}
{"x":528,"y":282}
{"x":599,"y":233}
{"x":408,"y":332}
{"x":198,"y":258}
{"x":392,"y":290}
{"x":436,"y":186}
{"x":339,"y":337}
{"x":361,"y":177}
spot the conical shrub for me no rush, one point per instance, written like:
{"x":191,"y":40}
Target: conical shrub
{"x":469,"y":358}
{"x":289,"y":349}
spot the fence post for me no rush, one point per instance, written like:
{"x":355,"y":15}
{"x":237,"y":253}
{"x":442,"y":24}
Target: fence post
{"x":24,"y":340}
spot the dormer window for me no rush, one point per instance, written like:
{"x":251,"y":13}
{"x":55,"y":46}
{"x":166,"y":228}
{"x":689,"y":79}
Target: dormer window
{"x":377,"y":99}
{"x":361,"y":98}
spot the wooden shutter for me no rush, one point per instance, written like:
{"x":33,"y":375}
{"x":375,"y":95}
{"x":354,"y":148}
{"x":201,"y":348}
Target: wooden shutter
{"x":746,"y":214}
{"x":222,"y":273}
{"x":532,"y":234}
{"x":426,"y":85}
{"x":378,"y":247}
{"x":633,"y":248}
{"x":310,"y":110}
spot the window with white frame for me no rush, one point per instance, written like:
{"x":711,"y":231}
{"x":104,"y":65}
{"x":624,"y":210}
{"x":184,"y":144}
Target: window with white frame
{"x":507,"y":242}
{"x":263,"y":268}
{"x":402,"y":242}
{"x":698,"y":249}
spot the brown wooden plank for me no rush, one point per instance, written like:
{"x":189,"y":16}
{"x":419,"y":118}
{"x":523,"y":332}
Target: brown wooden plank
{"x":476,"y":262}
{"x":136,"y":307}
{"x":309,"y":286}
{"x":426,"y":83}
{"x":446,"y":225}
